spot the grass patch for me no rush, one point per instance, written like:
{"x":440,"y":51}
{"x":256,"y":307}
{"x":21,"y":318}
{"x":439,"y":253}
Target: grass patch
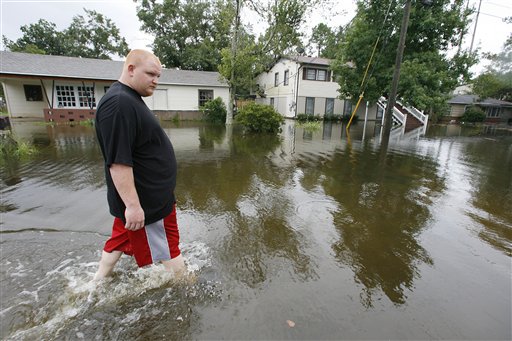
{"x":12,"y":148}
{"x":310,"y":125}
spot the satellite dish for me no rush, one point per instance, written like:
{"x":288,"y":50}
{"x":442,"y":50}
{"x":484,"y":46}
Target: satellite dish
{"x":299,"y":50}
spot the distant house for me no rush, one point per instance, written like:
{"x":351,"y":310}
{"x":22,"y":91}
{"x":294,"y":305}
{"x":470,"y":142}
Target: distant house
{"x":304,"y":85}
{"x":61,"y":88}
{"x":496,"y":111}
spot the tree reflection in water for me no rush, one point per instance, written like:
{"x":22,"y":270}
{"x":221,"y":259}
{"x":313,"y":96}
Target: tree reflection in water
{"x":384,"y":207}
{"x":493,"y":180}
{"x":247,"y":190}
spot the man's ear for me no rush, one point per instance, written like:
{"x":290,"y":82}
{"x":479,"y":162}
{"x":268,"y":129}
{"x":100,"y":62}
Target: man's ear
{"x":131,"y":69}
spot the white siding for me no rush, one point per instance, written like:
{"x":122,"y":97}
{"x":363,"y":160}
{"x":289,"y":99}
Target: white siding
{"x":166,"y":97}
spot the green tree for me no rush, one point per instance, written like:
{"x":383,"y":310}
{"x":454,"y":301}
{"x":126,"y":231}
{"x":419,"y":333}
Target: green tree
{"x":428,"y":73}
{"x":493,"y":85}
{"x":39,"y":38}
{"x":94,"y":36}
{"x":326,"y":41}
{"x":188,"y":34}
{"x":496,"y":81}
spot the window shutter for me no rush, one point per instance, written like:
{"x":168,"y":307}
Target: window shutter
{"x":304,"y":72}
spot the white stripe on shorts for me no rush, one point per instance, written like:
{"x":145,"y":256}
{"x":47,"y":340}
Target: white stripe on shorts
{"x":157,"y":240}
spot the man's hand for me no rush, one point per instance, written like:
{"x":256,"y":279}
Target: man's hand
{"x":134,"y":218}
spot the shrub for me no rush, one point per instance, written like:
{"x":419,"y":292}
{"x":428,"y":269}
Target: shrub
{"x":473,"y":114}
{"x":214,"y":111}
{"x":308,"y":118}
{"x":14,"y":148}
{"x":260,"y":118}
{"x":332,"y":118}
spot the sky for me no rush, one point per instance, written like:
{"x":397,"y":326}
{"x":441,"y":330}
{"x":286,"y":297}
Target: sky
{"x":490,"y":35}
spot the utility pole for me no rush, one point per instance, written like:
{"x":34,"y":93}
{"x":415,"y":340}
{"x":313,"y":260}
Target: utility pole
{"x":396,"y":75}
{"x":234,"y":47}
{"x":476,"y":23}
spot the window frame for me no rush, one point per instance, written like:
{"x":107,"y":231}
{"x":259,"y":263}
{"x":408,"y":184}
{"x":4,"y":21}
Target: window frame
{"x":66,"y":96}
{"x":201,"y":100}
{"x":311,"y":100}
{"x":33,"y":92}
{"x":276,"y":79}
{"x":329,"y":100}
{"x":493,"y":112}
{"x":286,"y":77}
{"x":86,"y":96}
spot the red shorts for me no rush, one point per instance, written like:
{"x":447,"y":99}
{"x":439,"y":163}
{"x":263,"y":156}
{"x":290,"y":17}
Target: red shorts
{"x":151,"y":244}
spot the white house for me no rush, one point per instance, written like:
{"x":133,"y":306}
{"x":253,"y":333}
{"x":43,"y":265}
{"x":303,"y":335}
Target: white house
{"x":304,"y":85}
{"x":60,"y":88}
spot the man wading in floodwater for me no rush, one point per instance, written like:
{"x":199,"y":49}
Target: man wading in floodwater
{"x":140,"y":170}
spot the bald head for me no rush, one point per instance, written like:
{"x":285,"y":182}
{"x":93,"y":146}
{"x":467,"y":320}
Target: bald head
{"x":141,"y":71}
{"x":137,"y":57}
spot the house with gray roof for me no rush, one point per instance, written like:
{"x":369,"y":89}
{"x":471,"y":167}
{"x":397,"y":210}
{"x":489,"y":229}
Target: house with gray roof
{"x":59,"y":88}
{"x":496,"y":111}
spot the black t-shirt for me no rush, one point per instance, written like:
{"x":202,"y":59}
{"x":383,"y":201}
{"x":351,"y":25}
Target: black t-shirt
{"x":129,"y":134}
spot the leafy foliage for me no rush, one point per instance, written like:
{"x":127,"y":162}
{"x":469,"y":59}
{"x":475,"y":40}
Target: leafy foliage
{"x":40,"y":38}
{"x":260,"y":118}
{"x":92,"y":36}
{"x":325,"y":41}
{"x":428,"y":73}
{"x":189,"y":35}
{"x":493,"y":85}
{"x":473,"y":114}
{"x":496,"y":81}
{"x":214,"y":111}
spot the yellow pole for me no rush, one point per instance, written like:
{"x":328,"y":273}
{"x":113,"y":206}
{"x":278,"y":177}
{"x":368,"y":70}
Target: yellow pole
{"x":354,"y":112}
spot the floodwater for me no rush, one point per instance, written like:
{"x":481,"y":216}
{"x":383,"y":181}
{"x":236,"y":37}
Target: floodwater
{"x":310,"y":235}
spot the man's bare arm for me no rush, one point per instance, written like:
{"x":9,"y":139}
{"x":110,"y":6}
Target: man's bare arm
{"x":122,"y":176}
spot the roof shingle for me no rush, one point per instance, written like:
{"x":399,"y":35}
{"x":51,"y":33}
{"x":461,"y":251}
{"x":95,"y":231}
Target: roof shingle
{"x":26,"y":64}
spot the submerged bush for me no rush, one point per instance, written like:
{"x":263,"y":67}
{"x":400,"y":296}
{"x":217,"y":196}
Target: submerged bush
{"x":260,"y":118}
{"x":308,"y":118}
{"x":473,"y":114}
{"x":13,"y":148}
{"x":214,"y":111}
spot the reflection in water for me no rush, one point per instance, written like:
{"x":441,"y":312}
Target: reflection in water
{"x":492,"y":192}
{"x":290,"y":227}
{"x":384,"y":207}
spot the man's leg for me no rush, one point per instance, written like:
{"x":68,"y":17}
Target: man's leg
{"x":176,"y":265}
{"x":107,"y":263}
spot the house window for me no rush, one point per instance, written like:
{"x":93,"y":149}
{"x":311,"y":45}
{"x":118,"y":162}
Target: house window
{"x":65,"y":96}
{"x":347,"y":108}
{"x":276,"y":79}
{"x":105,"y":88}
{"x":493,"y":112}
{"x":205,"y":96}
{"x":272,"y":101}
{"x":321,"y":75}
{"x":86,"y":96}
{"x":329,"y":106}
{"x":313,"y":74}
{"x":33,"y":93}
{"x":310,"y":74}
{"x":286,"y":77}
{"x":310,"y":105}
